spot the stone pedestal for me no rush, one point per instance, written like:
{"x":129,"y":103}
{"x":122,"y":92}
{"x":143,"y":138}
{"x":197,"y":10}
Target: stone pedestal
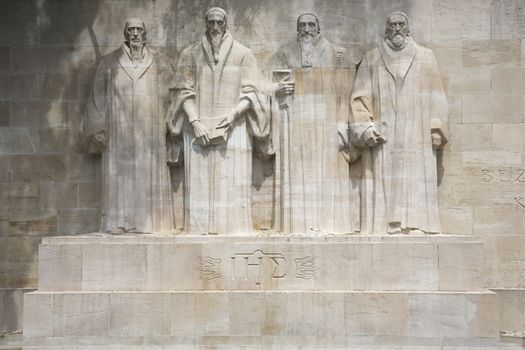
{"x":146,"y":292}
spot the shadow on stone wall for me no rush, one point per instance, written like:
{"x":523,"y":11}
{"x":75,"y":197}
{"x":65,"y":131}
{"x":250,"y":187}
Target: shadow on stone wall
{"x":48,"y":188}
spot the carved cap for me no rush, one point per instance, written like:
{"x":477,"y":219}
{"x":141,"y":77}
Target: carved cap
{"x":216,"y":9}
{"x":310,"y":14}
{"x":396,"y":13}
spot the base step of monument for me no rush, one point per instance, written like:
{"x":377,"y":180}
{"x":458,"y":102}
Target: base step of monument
{"x":369,"y":263}
{"x":284,"y":319}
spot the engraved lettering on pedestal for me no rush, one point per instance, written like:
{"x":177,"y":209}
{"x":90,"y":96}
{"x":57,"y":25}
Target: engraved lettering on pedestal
{"x":245,"y":264}
{"x":306,"y":268}
{"x":210,"y":268}
{"x":487,"y":177}
{"x":520,"y":202}
{"x":521,"y":176}
{"x":503,"y":175}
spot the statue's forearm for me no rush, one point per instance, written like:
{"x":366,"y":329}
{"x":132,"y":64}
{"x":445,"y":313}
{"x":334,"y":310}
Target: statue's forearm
{"x":190,"y":110}
{"x":243,"y":105}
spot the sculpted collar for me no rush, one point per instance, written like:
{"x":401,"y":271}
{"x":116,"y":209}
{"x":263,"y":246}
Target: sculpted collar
{"x":126,"y":62}
{"x":399,"y":62}
{"x":128,"y":51}
{"x":224,"y":50}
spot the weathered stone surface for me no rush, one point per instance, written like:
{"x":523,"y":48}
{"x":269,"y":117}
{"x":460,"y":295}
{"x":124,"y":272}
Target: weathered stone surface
{"x":15,"y":87}
{"x":52,"y":59}
{"x":37,"y":168}
{"x":493,"y":52}
{"x":18,"y":265}
{"x":498,"y":221}
{"x":469,"y":81}
{"x":11,"y":309}
{"x":507,"y":136}
{"x":47,"y":55}
{"x":5,"y":59}
{"x":70,"y":309}
{"x":512,"y":310}
{"x":461,"y":19}
{"x":154,"y":310}
{"x":448,"y":55}
{"x":508,"y":81}
{"x":475,"y":137}
{"x":16,"y":141}
{"x":79,"y":220}
{"x":68,"y":194}
{"x":83,"y":167}
{"x":59,"y":86}
{"x":460,"y":265}
{"x":507,"y":19}
{"x":89,"y":194}
{"x":492,"y":158}
{"x":40,"y":114}
{"x":492,"y":109}
{"x":329,"y":316}
{"x":458,"y":220}
{"x":37,"y":311}
{"x":55,"y":140}
{"x":5,"y":114}
{"x":165,"y":263}
{"x":505,"y":261}
{"x":69,"y":258}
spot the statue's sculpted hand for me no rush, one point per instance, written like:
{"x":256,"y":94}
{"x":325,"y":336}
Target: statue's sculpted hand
{"x":100,"y":138}
{"x":201,"y":133}
{"x":285,"y":87}
{"x":226,"y":122}
{"x":437,"y":140}
{"x":372,"y":138}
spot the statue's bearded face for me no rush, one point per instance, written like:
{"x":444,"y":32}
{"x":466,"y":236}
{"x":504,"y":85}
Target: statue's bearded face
{"x":135,"y":34}
{"x":397,"y":31}
{"x":216,"y":25}
{"x":307,"y":28}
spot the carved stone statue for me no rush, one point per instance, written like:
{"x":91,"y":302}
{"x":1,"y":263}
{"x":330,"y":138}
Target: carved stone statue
{"x":220,"y":110}
{"x":400,"y":109}
{"x":124,"y":123}
{"x":315,"y":192}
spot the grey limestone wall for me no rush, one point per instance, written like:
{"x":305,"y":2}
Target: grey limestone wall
{"x":49,"y":49}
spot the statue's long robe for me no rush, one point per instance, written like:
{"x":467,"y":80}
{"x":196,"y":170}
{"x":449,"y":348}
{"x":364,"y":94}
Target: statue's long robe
{"x":316,"y":193}
{"x":403,"y":90}
{"x":217,"y":196}
{"x":125,"y":103}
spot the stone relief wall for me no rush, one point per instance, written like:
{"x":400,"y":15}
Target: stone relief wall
{"x":48,"y":58}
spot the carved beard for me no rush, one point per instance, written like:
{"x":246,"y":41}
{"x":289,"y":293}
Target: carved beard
{"x":307,"y":43}
{"x":306,"y":39}
{"x":136,"y":48}
{"x":216,"y":38}
{"x":397,"y":41}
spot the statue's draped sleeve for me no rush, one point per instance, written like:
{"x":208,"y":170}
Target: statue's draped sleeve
{"x":181,"y":89}
{"x":254,"y":88}
{"x":361,"y":104}
{"x":439,"y":104}
{"x":257,"y":90}
{"x":97,"y":109}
